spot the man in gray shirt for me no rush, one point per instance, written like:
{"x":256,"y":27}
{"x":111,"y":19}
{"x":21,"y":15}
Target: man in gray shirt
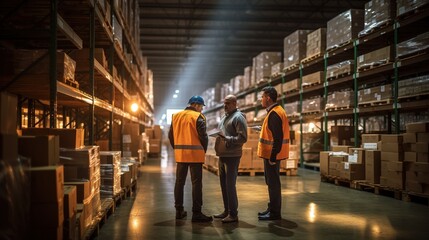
{"x":233,"y":126}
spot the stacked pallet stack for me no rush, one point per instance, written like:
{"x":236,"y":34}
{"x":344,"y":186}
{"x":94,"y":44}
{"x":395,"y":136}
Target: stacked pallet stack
{"x":392,"y":161}
{"x":155,"y":137}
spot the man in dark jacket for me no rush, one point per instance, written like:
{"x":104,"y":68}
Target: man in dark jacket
{"x":189,"y":139}
{"x":233,"y":126}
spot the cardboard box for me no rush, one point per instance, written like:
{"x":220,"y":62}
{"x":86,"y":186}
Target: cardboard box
{"x":83,"y":191}
{"x":125,"y":179}
{"x":47,"y":184}
{"x":341,"y":135}
{"x":392,"y":156}
{"x":423,"y":137}
{"x":289,"y":163}
{"x":43,"y":150}
{"x":423,"y":157}
{"x":371,"y":138}
{"x":324,"y":162}
{"x":410,"y":157}
{"x":70,"y":201}
{"x":409,"y":137}
{"x":353,"y":171}
{"x":294,"y":46}
{"x":391,"y":147}
{"x":392,"y":138}
{"x":47,"y":214}
{"x":418,"y":127}
{"x":344,"y":27}
{"x":340,"y":148}
{"x":69,"y":138}
{"x":316,"y":42}
{"x":372,"y":166}
{"x":416,"y":187}
{"x":359,"y":155}
{"x":246,"y":158}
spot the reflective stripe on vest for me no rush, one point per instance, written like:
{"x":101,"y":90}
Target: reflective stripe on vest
{"x":266,"y":141}
{"x":187,"y":145}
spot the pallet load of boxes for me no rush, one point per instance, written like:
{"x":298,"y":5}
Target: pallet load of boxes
{"x":397,"y":162}
{"x":68,"y":180}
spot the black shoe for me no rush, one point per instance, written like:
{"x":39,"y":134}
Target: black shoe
{"x":230,"y":219}
{"x":263,"y":213}
{"x":221,"y":215}
{"x":270,"y":216}
{"x":180,"y":214}
{"x":200,"y":217}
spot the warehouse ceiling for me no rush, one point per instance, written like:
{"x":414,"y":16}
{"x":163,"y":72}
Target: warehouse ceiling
{"x":193,"y":44}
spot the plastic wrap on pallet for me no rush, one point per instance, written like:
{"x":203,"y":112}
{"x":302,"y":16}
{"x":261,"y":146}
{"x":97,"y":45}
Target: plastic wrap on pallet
{"x":250,"y":99}
{"x":312,"y":105}
{"x":312,"y":78}
{"x":291,"y":85}
{"x":413,"y":86}
{"x":413,"y":45}
{"x":294,"y":47}
{"x":110,"y":173}
{"x":377,"y":13}
{"x":338,"y":69}
{"x":405,"y":6}
{"x":277,"y":68}
{"x":264,"y":61}
{"x":344,"y":28}
{"x":339,"y":99}
{"x":316,"y":42}
{"x":291,"y":108}
{"x":237,"y":83}
{"x":378,"y":57}
{"x":374,"y":94}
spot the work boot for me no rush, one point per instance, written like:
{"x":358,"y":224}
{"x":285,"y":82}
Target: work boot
{"x":180,"y":214}
{"x":200,"y":217}
{"x":230,"y":219}
{"x":265,"y":212}
{"x":221,"y":215}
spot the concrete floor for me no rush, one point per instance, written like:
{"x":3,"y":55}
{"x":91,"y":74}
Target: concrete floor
{"x":311,"y":210}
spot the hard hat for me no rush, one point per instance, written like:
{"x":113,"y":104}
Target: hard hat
{"x":196,"y":99}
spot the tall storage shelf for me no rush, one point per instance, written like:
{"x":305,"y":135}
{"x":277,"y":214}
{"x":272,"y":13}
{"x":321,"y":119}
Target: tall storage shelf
{"x":392,"y":72}
{"x":99,"y":91}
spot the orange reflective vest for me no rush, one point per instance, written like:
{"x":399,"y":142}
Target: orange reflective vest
{"x":187,"y":145}
{"x":266,"y":140}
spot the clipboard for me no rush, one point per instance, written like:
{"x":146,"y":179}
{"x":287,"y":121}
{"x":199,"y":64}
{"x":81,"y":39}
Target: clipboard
{"x":215,"y":133}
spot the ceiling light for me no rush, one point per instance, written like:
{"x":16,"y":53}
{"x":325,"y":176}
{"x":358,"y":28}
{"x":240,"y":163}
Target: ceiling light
{"x":175,"y":96}
{"x":134,"y":107}
{"x":177,"y":91}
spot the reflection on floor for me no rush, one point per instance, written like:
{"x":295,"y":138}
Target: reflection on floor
{"x":311,"y":210}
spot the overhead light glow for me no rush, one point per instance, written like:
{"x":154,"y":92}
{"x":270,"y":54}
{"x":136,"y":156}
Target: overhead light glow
{"x":175,"y":96}
{"x":134,"y":107}
{"x":177,"y":91}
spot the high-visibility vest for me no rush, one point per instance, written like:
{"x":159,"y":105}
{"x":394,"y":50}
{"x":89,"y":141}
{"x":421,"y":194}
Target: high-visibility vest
{"x":187,"y":145}
{"x":266,"y":141}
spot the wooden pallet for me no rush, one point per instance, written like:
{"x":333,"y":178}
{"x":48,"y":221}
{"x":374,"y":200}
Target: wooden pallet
{"x":211,"y":169}
{"x":339,"y":76}
{"x":375,"y":103}
{"x":312,"y":57}
{"x":107,"y":209}
{"x":276,"y":75}
{"x":311,"y":113}
{"x":379,"y":189}
{"x":338,"y":108}
{"x":291,"y":67}
{"x":307,"y":85}
{"x":373,"y":65}
{"x":414,"y":97}
{"x":72,"y":83}
{"x":414,"y":54}
{"x":414,"y":197}
{"x":338,"y":181}
{"x":260,"y":172}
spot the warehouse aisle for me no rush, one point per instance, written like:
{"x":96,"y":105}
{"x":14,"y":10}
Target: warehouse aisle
{"x":311,"y":210}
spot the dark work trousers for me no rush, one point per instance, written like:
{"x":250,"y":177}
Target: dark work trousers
{"x":196,"y":170}
{"x":272,"y":179}
{"x":228,"y":170}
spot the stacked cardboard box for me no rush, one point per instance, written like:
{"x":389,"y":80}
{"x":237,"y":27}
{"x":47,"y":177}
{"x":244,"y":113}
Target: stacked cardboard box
{"x":313,"y":78}
{"x":110,"y":173}
{"x":344,"y":28}
{"x":406,"y":6}
{"x":375,"y":58}
{"x":294,"y":47}
{"x":378,"y":13}
{"x":292,"y":85}
{"x":42,"y":150}
{"x":155,"y":136}
{"x":247,"y":77}
{"x":340,"y":69}
{"x":375,"y":94}
{"x":276,"y":69}
{"x":291,"y":108}
{"x":47,"y":202}
{"x":130,"y":139}
{"x":343,"y":99}
{"x":84,"y":164}
{"x":69,"y":138}
{"x":70,"y":211}
{"x":312,"y":105}
{"x":316,"y":43}
{"x":82,"y":58}
{"x":413,"y":86}
{"x":392,"y":165}
{"x":264,"y":61}
{"x":237,"y":83}
{"x":416,"y":144}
